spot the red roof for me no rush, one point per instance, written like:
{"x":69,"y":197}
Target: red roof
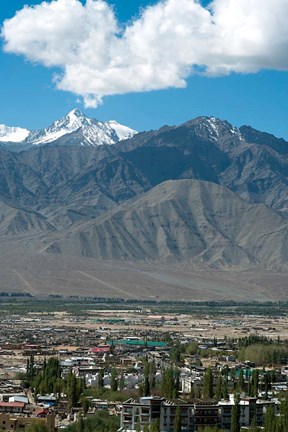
{"x":12,"y":404}
{"x":103,"y":349}
{"x":41,"y":411}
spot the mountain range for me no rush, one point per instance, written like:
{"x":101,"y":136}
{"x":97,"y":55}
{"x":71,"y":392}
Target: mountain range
{"x":74,"y":127}
{"x":201,"y":194}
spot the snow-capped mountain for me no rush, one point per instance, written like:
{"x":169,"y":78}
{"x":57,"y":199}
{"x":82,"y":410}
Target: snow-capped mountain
{"x":213,"y":128}
{"x":75,"y":128}
{"x":13,"y":134}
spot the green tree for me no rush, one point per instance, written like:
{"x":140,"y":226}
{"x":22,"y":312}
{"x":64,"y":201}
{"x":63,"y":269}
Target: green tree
{"x":37,"y":426}
{"x":146,"y":383}
{"x":240,"y":384}
{"x":177,"y":420}
{"x":49,"y":379}
{"x":176,"y":383}
{"x":225,"y":394}
{"x":254,"y":383}
{"x":235,"y":415}
{"x":155,"y":426}
{"x":267,"y":385}
{"x":284,"y":412}
{"x":85,"y":405}
{"x":44,"y":364}
{"x":101,"y":378}
{"x":175,"y":353}
{"x":208,"y":384}
{"x":100,"y":422}
{"x":253,"y":427}
{"x":191,"y":348}
{"x":72,"y":396}
{"x":30,"y":369}
{"x":80,"y":387}
{"x":80,"y":423}
{"x":270,"y":423}
{"x":152,"y":373}
{"x":170,"y":382}
{"x":58,"y":387}
{"x":192,"y":391}
{"x":138,"y":426}
{"x":218,"y":391}
{"x":114,"y":380}
{"x":121,"y":381}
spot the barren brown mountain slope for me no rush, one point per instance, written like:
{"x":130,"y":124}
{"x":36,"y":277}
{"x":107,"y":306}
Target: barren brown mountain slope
{"x":184,"y":221}
{"x":196,"y":211}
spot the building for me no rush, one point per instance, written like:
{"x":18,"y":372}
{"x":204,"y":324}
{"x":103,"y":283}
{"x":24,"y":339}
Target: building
{"x":10,"y":422}
{"x":150,"y":409}
{"x":50,"y":400}
{"x":250,"y":408}
{"x":12,"y":407}
{"x":195,"y":415}
{"x":206,"y":413}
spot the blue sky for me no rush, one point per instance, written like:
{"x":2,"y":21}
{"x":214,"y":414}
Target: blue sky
{"x":29,"y":98}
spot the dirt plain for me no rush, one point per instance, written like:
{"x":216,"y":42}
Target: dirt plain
{"x":24,"y":270}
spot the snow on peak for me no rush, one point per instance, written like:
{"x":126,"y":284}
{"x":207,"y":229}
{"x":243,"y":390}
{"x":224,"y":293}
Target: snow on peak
{"x":75,"y":113}
{"x":90,"y":131}
{"x":75,"y":117}
{"x":212,"y":121}
{"x":123,"y":132}
{"x":86,"y":131}
{"x":218,"y":127}
{"x":73,"y":121}
{"x":12,"y":134}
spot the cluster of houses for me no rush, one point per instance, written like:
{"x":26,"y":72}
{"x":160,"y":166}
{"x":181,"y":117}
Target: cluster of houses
{"x":17,"y":412}
{"x":92,"y":354}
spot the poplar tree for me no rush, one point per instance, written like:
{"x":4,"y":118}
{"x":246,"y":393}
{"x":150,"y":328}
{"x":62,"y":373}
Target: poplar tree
{"x":175,"y":353}
{"x":218,"y":392}
{"x":225,"y":394}
{"x":192,"y":391}
{"x":80,"y":423}
{"x":240,"y":385}
{"x":284,"y":412}
{"x":170,"y":382}
{"x":254,"y":383}
{"x":208,"y":384}
{"x":177,"y":420}
{"x":114,"y":381}
{"x":155,"y":426}
{"x":270,"y":424}
{"x":101,"y":378}
{"x":122,"y":381}
{"x":146,"y":384}
{"x":73,"y":399}
{"x":235,"y":415}
{"x":152,"y":372}
{"x":253,"y":426}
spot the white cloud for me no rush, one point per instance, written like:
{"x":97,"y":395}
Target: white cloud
{"x":158,"y":50}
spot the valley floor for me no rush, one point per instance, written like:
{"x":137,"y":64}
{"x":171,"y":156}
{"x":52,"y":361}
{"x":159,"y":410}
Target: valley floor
{"x":24,"y":270}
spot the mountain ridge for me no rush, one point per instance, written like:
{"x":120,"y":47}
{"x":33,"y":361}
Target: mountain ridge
{"x":93,"y":132}
{"x":66,"y":187}
{"x":186,"y":220}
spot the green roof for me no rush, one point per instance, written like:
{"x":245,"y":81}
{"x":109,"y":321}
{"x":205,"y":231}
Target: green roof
{"x":137,"y":342}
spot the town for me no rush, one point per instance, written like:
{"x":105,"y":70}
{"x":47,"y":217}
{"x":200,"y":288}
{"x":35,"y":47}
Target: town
{"x":96,"y":365}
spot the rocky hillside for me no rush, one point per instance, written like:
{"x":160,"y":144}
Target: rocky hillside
{"x":182,"y":220}
{"x":122,"y":201}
